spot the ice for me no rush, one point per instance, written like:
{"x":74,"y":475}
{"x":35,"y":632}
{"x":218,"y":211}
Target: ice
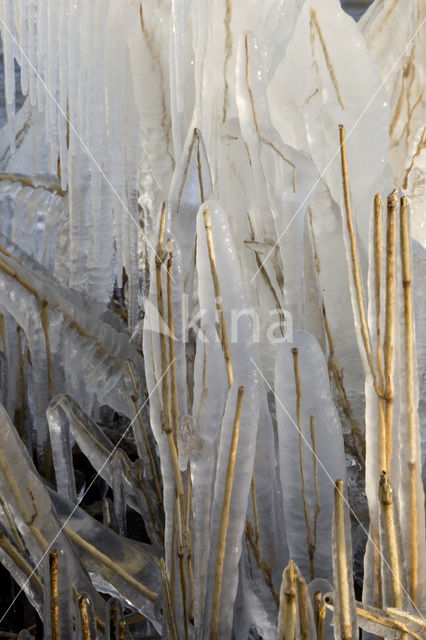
{"x":131,"y":568}
{"x":338,"y":84}
{"x":176,"y":247}
{"x":65,"y":417}
{"x":209,"y":372}
{"x":32,"y":511}
{"x":317,"y":445}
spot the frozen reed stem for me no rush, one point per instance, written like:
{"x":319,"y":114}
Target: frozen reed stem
{"x":169,"y":612}
{"x":224,"y":518}
{"x":341,"y":569}
{"x":84,"y":618}
{"x":17,"y":538}
{"x":165,"y":363}
{"x":303,"y":602}
{"x":266,"y":569}
{"x":412,"y":428}
{"x":286,"y":628}
{"x":311,"y":546}
{"x":26,"y":515}
{"x":20,"y":562}
{"x":53,"y":592}
{"x":315,"y":22}
{"x":384,"y":618}
{"x":188,"y":537}
{"x":316,"y":484}
{"x":171,"y":327}
{"x":391,"y":549}
{"x":378,"y":251}
{"x":410,"y":617}
{"x":223,"y":329}
{"x":145,"y":434}
{"x":181,"y":558}
{"x":389,"y":335}
{"x":356,"y":270}
{"x":114,"y":566}
{"x":320,"y":611}
{"x":269,"y":143}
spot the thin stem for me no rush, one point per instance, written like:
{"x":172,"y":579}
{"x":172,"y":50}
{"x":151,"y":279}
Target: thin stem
{"x":356,"y":270}
{"x":311,"y":548}
{"x":54,"y":598}
{"x":224,"y":519}
{"x":342,"y":569}
{"x":412,"y":430}
{"x":217,"y":293}
{"x":389,"y":336}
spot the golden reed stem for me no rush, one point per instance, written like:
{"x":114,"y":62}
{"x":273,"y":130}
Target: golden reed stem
{"x":224,"y":519}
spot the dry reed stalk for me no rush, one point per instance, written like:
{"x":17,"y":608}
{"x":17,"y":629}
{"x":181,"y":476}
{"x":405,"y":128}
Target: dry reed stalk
{"x":266,"y":569}
{"x":320,"y":611}
{"x":410,"y":617}
{"x":84,"y":618}
{"x":378,"y":251}
{"x":303,"y":604}
{"x":315,"y":22}
{"x":380,"y":617}
{"x":11,"y":523}
{"x":166,"y":392}
{"x":356,"y":269}
{"x":224,"y":518}
{"x":171,"y":327}
{"x":110,"y":564}
{"x":170,"y":616}
{"x":334,"y":370}
{"x":286,"y":628}
{"x":188,"y":537}
{"x":311,"y":546}
{"x":412,"y":429}
{"x":181,"y":558}
{"x":316,"y":484}
{"x":341,"y":569}
{"x":54,"y":598}
{"x":145,"y":435}
{"x":269,"y":143}
{"x":3,"y":334}
{"x":216,"y":284}
{"x":389,"y":334}
{"x":255,"y":513}
{"x":391,"y":550}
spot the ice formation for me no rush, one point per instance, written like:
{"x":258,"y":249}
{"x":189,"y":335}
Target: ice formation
{"x":212,"y":345}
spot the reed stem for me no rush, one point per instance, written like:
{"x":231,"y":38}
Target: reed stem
{"x":224,"y":519}
{"x":412,"y":429}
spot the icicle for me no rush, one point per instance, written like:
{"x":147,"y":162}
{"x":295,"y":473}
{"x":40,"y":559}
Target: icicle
{"x":62,"y":453}
{"x":8,"y":40}
{"x":118,"y":490}
{"x":190,"y":187}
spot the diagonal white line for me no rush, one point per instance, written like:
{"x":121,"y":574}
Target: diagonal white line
{"x":82,"y":497}
{"x":347,"y":136}
{"x":333,"y":483}
{"x":80,"y":139}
